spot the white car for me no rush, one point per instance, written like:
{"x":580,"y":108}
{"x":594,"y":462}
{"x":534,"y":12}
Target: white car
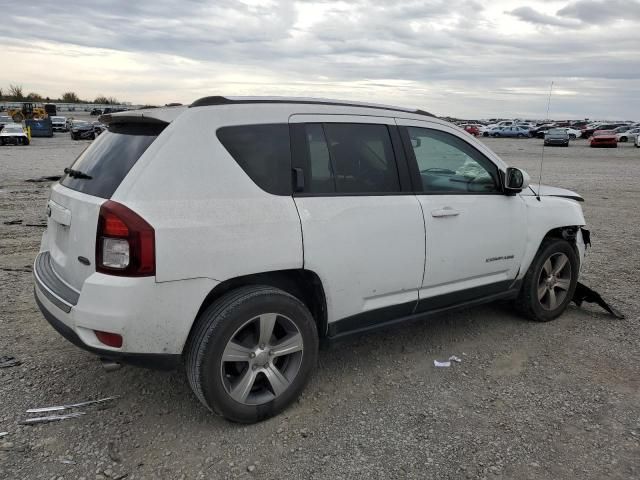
{"x":629,"y":135}
{"x":636,"y":142}
{"x":13,"y":134}
{"x":59,"y":124}
{"x":234,"y":235}
{"x":572,"y":132}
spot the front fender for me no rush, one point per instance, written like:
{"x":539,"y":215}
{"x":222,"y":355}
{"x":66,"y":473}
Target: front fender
{"x":545,"y":215}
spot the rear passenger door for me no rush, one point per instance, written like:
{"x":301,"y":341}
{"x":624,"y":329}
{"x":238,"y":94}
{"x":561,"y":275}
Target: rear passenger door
{"x":363,"y":230}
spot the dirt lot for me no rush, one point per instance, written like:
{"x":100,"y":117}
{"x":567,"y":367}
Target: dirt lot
{"x":558,"y":400}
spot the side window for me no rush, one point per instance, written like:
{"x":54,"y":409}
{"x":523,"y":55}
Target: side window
{"x":350,"y":158}
{"x":448,"y":164}
{"x":263,"y":152}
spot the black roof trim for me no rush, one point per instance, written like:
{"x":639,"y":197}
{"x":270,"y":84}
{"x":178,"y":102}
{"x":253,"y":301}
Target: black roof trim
{"x":220,"y":100}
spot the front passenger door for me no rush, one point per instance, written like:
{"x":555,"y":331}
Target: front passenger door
{"x":475,"y":235}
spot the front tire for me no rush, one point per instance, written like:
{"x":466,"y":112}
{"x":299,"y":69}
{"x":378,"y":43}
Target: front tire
{"x":251,"y":353}
{"x":550,"y":281}
{"x":623,"y":139}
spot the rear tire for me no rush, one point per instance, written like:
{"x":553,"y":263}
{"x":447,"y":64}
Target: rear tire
{"x":623,"y":139}
{"x":235,"y":343}
{"x":550,"y":281}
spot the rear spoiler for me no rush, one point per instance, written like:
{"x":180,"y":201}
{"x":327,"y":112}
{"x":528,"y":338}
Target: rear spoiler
{"x":110,"y":119}
{"x":158,"y":116}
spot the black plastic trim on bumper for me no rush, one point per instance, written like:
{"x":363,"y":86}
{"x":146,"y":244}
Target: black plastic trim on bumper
{"x":157,"y":361}
{"x":59,"y":293}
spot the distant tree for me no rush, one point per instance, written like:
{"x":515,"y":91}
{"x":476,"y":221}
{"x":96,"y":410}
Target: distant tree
{"x":1,"y":94}
{"x":15,"y":92}
{"x":70,"y":97}
{"x":34,"y":97}
{"x":106,"y":100}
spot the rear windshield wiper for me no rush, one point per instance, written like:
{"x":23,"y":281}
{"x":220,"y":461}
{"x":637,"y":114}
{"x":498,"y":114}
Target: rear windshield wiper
{"x":77,"y":174}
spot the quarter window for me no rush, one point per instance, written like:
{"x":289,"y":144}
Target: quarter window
{"x":350,"y":158}
{"x":448,"y":164}
{"x":263,"y":152}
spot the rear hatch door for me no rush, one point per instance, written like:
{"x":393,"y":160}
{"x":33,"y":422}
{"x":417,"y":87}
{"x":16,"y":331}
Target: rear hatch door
{"x":75,"y":202}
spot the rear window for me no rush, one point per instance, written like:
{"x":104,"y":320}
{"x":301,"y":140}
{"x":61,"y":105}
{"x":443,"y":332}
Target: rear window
{"x":109,"y":158}
{"x":263,"y":152}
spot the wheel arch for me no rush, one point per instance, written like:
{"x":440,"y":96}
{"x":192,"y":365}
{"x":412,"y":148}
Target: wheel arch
{"x":301,"y":283}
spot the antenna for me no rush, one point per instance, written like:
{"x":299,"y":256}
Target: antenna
{"x":542,"y":156}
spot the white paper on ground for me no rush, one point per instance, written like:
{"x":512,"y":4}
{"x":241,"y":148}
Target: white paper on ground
{"x":436,"y":363}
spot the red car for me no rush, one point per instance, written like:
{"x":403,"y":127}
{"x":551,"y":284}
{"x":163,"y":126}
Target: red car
{"x":603,"y":138}
{"x":472,"y":129}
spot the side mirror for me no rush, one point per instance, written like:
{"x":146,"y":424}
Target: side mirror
{"x":515,"y":180}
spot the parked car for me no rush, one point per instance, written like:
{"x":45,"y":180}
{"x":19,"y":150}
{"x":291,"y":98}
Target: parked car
{"x":490,"y":131}
{"x":573,"y":133}
{"x":472,"y":129}
{"x":603,"y":138}
{"x":96,"y":111}
{"x":202,"y":263}
{"x":59,"y":124}
{"x":557,"y":136}
{"x":518,"y":132}
{"x":82,"y":130}
{"x":13,"y":134}
{"x":588,"y":132}
{"x":540,"y":130}
{"x":630,"y":134}
{"x":636,"y":142}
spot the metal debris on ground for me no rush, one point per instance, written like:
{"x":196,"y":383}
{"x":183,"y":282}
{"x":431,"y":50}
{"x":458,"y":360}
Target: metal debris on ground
{"x":50,"y":418}
{"x":71,"y":405}
{"x":2,"y":434}
{"x":453,"y":358}
{"x":585,"y":294}
{"x":6,"y":361}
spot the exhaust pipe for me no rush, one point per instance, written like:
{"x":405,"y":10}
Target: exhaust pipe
{"x":110,"y":365}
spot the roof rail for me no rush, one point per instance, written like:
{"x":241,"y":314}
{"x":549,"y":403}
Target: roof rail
{"x":220,"y":100}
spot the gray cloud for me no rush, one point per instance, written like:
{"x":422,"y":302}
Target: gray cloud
{"x":530,"y":15}
{"x":600,"y":12}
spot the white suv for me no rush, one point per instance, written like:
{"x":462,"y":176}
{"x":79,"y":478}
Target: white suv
{"x":236,"y":234}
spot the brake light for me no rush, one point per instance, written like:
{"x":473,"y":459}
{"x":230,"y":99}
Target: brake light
{"x":125,"y":242}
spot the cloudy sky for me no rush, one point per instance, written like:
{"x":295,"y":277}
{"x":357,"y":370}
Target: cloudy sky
{"x":467,"y":58}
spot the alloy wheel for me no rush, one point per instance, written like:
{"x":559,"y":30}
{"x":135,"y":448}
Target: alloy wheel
{"x":554,"y":281}
{"x":261,"y":359}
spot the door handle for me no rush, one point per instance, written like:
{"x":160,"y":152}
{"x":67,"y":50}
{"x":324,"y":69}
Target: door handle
{"x":445,"y":212}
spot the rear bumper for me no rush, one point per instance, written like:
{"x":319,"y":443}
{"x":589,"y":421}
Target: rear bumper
{"x":153,"y":318}
{"x":156,"y":361}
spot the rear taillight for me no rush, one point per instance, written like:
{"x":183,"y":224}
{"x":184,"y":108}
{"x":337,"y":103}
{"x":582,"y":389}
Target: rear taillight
{"x":125,"y":242}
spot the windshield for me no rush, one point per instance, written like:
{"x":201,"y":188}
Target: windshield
{"x":58,"y":119}
{"x":557,"y":131}
{"x":602,"y":132}
{"x":12,"y":130}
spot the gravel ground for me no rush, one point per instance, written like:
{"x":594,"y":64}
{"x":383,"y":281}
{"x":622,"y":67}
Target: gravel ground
{"x":557,"y":400}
